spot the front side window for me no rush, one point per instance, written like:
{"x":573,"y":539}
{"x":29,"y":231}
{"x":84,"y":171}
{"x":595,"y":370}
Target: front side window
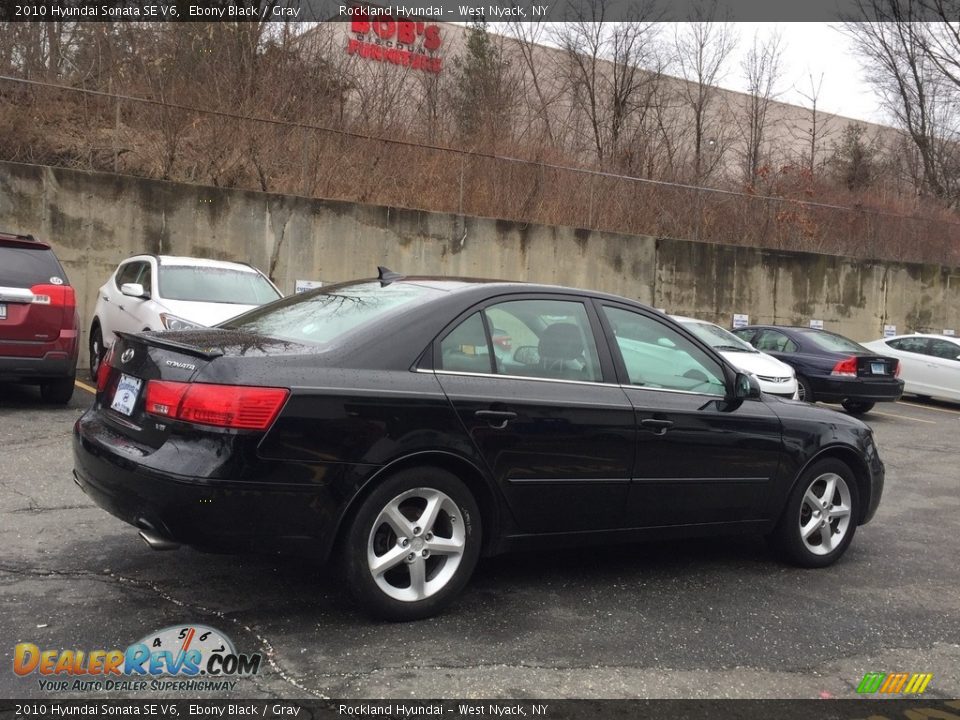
{"x":657,"y":356}
{"x":944,"y":349}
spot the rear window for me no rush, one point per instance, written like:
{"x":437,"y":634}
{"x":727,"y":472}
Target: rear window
{"x":832,"y":343}
{"x":25,"y":266}
{"x":215,"y":285}
{"x":324,"y":316}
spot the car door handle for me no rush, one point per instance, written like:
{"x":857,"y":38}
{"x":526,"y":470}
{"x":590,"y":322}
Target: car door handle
{"x":497,"y":419}
{"x":659,"y":427}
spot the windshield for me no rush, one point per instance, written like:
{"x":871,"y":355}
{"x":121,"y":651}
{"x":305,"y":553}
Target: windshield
{"x":215,"y":285}
{"x":831,"y":342}
{"x":717,"y":337}
{"x":324,"y":315}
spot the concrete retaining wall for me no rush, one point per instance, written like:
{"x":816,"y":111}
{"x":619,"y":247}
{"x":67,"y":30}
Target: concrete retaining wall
{"x":95,"y":220}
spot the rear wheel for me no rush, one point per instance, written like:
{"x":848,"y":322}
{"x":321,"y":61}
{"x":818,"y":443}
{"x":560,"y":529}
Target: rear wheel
{"x":857,"y":407}
{"x":413,"y":544}
{"x":804,"y":390}
{"x":820,"y":519}
{"x":96,"y":350}
{"x":57,"y":392}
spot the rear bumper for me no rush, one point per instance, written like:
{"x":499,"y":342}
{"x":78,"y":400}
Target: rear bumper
{"x":53,"y":364}
{"x":211,"y":515}
{"x":837,"y":389}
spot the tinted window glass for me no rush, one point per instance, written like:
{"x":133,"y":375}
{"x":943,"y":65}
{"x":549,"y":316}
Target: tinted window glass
{"x":321,"y":317}
{"x":944,"y":349}
{"x":656,"y":356}
{"x":24,"y":266}
{"x":914,"y":345}
{"x":547,"y":339}
{"x":465,"y":348}
{"x":128,"y":273}
{"x":774,"y":341}
{"x":213,"y":284}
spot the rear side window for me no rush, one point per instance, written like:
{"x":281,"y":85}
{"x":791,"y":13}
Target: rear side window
{"x":25,"y":266}
{"x":914,"y":345}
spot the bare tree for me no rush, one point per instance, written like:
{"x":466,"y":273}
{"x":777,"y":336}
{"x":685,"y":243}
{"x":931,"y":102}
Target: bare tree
{"x":614,"y":69}
{"x":819,"y":126}
{"x":702,"y":49}
{"x":762,"y":72}
{"x":914,"y":87}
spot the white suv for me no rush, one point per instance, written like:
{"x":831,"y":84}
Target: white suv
{"x":162,"y":292}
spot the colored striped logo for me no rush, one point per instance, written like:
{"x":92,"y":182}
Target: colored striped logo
{"x":893,"y":683}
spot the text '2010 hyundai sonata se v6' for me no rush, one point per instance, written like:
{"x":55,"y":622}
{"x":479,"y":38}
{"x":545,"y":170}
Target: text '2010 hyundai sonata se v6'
{"x":376,"y":424}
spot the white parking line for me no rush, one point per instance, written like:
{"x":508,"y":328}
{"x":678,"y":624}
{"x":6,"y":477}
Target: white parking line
{"x":927,"y":407}
{"x":904,"y":417}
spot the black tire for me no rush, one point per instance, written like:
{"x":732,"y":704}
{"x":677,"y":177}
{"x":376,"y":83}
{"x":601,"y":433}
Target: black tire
{"x":57,"y":392}
{"x":805,"y":390}
{"x":96,"y":350}
{"x":801,"y":514}
{"x":372,"y":536}
{"x":857,"y":407}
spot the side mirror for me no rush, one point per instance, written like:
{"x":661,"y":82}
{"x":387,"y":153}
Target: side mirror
{"x":746,"y":387}
{"x":134,"y":290}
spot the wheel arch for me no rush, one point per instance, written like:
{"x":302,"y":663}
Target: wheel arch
{"x":852,"y":459}
{"x":464,"y":469}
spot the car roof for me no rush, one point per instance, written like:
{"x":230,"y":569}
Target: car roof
{"x":934,"y":336}
{"x":184,"y":260}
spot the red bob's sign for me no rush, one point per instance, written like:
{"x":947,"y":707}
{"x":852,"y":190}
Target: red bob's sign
{"x":399,"y":42}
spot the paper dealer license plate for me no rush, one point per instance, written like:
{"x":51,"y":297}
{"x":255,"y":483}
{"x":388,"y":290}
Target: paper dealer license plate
{"x":125,"y":398}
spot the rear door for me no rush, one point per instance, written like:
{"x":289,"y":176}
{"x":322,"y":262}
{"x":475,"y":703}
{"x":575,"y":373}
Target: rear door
{"x":556,"y":437}
{"x":916,"y":370}
{"x":36,"y":301}
{"x":944,"y":360}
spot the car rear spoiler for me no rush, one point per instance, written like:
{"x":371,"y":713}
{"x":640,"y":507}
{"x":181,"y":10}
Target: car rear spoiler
{"x":172,"y":344}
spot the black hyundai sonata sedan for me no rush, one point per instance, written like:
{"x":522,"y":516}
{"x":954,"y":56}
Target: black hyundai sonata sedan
{"x":377,"y":424}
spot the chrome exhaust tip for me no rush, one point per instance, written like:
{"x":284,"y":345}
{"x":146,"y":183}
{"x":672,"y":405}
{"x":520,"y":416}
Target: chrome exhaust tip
{"x":157,"y":542}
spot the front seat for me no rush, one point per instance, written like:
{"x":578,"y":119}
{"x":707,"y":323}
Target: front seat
{"x":561,"y":352}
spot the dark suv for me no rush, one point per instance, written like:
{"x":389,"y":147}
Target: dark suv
{"x":39,"y":338}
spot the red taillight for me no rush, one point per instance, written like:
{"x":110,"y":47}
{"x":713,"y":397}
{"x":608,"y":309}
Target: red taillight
{"x":896,"y":372}
{"x":163,"y":398}
{"x":103,"y":372}
{"x":57,"y":295}
{"x":230,"y":406}
{"x":846,"y":367}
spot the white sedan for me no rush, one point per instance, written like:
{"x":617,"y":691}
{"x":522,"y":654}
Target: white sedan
{"x":164,"y":292}
{"x":929,"y":364}
{"x":776,"y":378}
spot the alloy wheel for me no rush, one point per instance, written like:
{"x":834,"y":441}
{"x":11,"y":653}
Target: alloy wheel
{"x":416,"y":544}
{"x":825,"y":513}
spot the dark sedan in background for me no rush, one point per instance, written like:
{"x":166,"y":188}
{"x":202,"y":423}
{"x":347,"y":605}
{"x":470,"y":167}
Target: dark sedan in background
{"x":830,"y":367}
{"x":380,"y":425}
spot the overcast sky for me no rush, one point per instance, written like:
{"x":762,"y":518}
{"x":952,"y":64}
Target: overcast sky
{"x":812,"y":49}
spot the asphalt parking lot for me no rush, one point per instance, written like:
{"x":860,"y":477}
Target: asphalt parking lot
{"x":678,"y":620}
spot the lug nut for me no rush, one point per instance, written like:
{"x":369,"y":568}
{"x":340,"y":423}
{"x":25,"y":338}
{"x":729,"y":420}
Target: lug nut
{"x":404,"y":542}
{"x":426,"y":553}
{"x":416,"y":530}
{"x":410,"y":557}
{"x":428,"y":537}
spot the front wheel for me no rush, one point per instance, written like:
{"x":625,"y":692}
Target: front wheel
{"x":413,"y":544}
{"x":857,"y":407}
{"x":820,"y":519}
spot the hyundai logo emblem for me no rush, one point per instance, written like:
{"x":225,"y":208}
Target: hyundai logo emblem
{"x":127,"y":355}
